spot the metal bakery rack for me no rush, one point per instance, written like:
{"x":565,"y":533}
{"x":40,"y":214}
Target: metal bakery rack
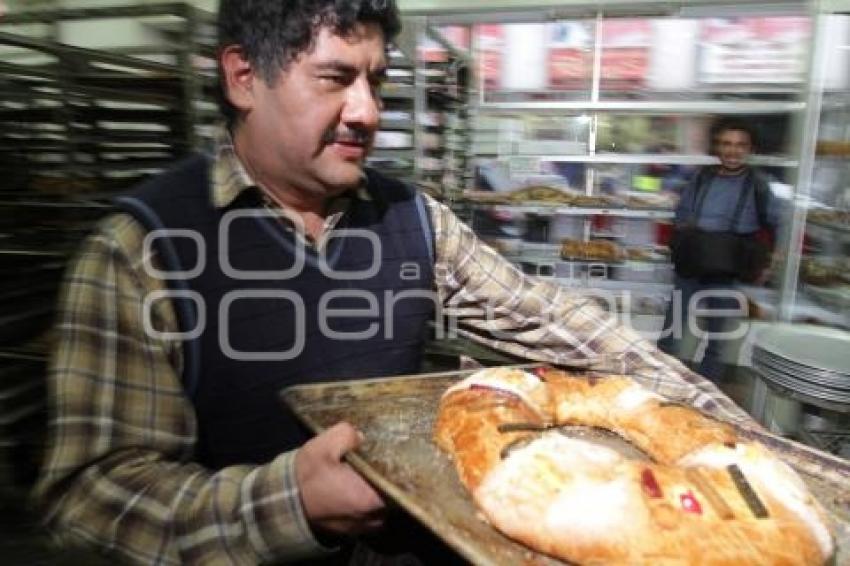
{"x":78,"y":125}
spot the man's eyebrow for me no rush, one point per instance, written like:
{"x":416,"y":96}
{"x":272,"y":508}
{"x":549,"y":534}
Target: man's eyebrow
{"x":348,"y":69}
{"x":339,"y":66}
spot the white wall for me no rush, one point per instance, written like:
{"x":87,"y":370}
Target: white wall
{"x":525,"y":68}
{"x":671,"y":58}
{"x":21,"y":5}
{"x":97,"y":34}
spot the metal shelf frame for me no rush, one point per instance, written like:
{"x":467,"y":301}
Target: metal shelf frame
{"x":657,"y":158}
{"x":432,"y":95}
{"x":556,"y":210}
{"x":189,"y":83}
{"x":643,"y":107}
{"x":78,"y":124}
{"x":102,"y":96}
{"x":130,"y":11}
{"x":537,"y":11}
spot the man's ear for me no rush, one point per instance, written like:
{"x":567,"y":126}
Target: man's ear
{"x":238,"y":76}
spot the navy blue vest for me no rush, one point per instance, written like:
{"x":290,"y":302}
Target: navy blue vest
{"x":270,"y":319}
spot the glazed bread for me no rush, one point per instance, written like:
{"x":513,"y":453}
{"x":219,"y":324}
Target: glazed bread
{"x":704,"y":498}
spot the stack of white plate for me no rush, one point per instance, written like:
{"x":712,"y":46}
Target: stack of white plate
{"x":812,"y":362}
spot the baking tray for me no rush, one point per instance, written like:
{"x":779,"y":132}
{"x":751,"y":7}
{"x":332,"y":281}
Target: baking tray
{"x":397,"y":417}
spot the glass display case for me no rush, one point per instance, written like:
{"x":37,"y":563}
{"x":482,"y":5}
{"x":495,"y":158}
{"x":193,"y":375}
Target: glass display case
{"x":816,"y":270}
{"x":614,"y":112}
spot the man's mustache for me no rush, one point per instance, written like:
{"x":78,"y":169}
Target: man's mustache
{"x":360,"y":137}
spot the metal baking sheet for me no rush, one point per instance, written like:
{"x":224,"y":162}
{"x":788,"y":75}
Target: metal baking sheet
{"x":397,"y":416}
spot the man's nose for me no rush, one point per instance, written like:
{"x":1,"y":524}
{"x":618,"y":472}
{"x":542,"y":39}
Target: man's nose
{"x":362,"y":105}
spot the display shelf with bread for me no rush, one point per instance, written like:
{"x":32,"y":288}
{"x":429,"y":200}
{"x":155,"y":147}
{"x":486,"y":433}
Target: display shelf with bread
{"x":551,"y":200}
{"x":590,"y":248}
{"x":825,"y":260}
{"x":817,"y":231}
{"x":661,"y":159}
{"x":547,"y":209}
{"x":614,"y":120}
{"x":824,"y":275}
{"x":838,"y":220}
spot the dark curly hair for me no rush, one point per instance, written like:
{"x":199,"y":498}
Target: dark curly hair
{"x":726,"y":124}
{"x":272,"y":33}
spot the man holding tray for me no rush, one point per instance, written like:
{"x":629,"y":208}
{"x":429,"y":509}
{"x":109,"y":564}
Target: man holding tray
{"x":278,"y":259}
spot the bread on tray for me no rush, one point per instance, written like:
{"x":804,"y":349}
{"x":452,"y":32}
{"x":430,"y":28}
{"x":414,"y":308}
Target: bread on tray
{"x":703,"y":496}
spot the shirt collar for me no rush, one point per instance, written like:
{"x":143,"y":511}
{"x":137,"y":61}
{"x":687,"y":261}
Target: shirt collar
{"x":230,"y":178}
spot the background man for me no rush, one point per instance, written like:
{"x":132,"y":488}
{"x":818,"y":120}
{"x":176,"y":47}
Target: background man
{"x":731,"y":198}
{"x":170,"y":451}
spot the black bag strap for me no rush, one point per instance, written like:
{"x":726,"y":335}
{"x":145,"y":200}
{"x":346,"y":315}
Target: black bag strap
{"x":762,"y":189}
{"x":699,"y":193}
{"x":743,"y":197}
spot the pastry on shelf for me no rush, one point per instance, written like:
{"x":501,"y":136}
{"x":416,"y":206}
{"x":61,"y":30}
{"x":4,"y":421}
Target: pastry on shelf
{"x":830,"y":216}
{"x":833,"y":148}
{"x":541,"y":194}
{"x":486,"y":197}
{"x":594,"y":250}
{"x":601,"y":201}
{"x":572,"y":249}
{"x":820,"y":274}
{"x":639,"y":254}
{"x":661,"y":201}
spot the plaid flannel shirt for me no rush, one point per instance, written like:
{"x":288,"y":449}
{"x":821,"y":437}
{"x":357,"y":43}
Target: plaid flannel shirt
{"x":119,"y":473}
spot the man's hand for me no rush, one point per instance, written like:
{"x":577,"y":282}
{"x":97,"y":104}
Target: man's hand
{"x":336,"y":499}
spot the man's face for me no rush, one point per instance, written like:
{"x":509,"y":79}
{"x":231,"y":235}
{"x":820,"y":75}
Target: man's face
{"x":733,"y":148}
{"x":311,"y":129}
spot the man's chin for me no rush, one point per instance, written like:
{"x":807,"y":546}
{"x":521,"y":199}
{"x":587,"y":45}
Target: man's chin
{"x":344,"y":181}
{"x":733,"y":168}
